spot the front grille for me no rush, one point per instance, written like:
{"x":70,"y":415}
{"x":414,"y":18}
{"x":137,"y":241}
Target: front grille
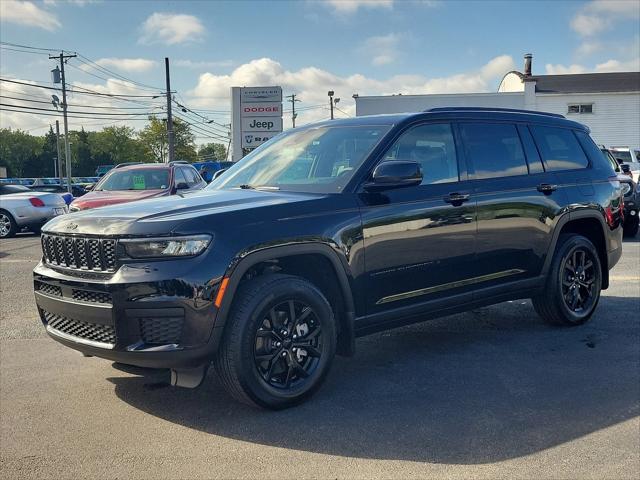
{"x":91,"y":254}
{"x":161,"y":331}
{"x":49,"y":289}
{"x":90,"y":296}
{"x":77,"y":328}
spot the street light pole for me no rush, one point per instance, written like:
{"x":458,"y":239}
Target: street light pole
{"x":170,"y":132}
{"x":59,"y":159}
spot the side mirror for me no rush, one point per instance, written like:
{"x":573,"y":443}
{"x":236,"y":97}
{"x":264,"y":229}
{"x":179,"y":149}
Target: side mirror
{"x":182,"y":186}
{"x":394,"y":174}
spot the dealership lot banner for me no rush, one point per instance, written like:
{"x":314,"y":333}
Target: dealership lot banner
{"x":256,"y":116}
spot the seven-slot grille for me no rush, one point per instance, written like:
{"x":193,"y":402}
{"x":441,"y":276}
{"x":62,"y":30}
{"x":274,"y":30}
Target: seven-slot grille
{"x":93,"y":254}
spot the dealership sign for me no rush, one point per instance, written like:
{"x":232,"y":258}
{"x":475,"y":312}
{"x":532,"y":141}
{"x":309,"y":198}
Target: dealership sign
{"x":256,"y":117}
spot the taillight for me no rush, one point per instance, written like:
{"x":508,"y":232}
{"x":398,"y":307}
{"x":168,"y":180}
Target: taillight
{"x":36,"y":202}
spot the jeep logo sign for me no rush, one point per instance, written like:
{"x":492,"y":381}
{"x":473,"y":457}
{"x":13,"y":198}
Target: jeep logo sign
{"x":256,"y":117}
{"x":262,"y":124}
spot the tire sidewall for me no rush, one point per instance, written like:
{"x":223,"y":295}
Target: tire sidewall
{"x":13,"y":226}
{"x":254,"y":385}
{"x":566,"y":248}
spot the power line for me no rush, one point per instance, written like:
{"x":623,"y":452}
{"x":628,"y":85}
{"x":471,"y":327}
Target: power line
{"x":30,"y":47}
{"x":73,"y":111}
{"x":49,"y":102}
{"x":70,"y":116}
{"x":97,"y":66}
{"x":85,"y":92}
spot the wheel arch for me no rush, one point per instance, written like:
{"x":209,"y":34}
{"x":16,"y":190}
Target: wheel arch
{"x":590,"y":224}
{"x":284,"y":255}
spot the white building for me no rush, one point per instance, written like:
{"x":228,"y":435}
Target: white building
{"x":608,"y":103}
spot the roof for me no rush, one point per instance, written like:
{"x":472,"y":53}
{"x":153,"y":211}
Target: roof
{"x":588,"y":83}
{"x":449,"y":114}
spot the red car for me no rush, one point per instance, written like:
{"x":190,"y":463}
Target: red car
{"x":131,"y":182}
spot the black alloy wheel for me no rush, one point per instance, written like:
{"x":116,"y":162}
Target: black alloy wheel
{"x":578,"y":280}
{"x":288,"y":345}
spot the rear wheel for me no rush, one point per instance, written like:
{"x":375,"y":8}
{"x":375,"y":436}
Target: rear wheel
{"x":8,"y":226}
{"x":279,"y":342}
{"x":572,"y":290}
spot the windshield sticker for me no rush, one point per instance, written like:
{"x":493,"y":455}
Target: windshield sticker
{"x":138,"y":182}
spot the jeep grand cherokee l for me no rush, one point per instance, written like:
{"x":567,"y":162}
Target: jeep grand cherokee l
{"x":332,"y":231}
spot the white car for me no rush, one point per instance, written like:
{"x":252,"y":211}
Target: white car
{"x":628,"y":156}
{"x":21,"y":207}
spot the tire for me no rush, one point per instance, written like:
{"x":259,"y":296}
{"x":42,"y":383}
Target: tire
{"x":571,"y":298}
{"x":37,"y":230}
{"x":261,"y":365}
{"x":630,"y":227}
{"x":8,"y":226}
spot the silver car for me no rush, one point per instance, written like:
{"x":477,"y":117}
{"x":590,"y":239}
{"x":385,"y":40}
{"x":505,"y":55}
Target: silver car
{"x":21,"y":207}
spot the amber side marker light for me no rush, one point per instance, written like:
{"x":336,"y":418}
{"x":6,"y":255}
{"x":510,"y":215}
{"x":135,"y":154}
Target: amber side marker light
{"x":221,"y":290}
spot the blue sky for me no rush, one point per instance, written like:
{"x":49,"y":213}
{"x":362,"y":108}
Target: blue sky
{"x":309,"y":47}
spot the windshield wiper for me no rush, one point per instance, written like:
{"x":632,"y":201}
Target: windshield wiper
{"x":246,"y":186}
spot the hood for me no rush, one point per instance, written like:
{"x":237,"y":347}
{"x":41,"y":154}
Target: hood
{"x":104,"y":197}
{"x":161,"y":216}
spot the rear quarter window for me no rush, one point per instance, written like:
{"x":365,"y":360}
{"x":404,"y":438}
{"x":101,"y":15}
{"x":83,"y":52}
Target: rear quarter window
{"x":559,"y":148}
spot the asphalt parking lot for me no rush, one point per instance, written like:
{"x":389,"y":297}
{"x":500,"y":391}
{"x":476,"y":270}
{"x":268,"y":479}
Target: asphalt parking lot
{"x":492,"y":393}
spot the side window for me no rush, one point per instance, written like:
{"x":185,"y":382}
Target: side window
{"x":559,"y":148}
{"x":494,"y":149}
{"x":433,"y":147}
{"x":593,"y":152}
{"x":180,"y":178}
{"x":190,"y":175}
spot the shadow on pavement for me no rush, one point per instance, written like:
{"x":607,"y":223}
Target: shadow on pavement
{"x":475,"y":388}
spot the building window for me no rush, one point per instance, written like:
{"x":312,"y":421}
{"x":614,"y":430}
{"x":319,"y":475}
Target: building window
{"x":580,"y":108}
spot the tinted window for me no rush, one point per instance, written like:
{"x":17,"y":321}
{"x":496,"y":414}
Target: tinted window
{"x":7,"y":189}
{"x":190,"y":175}
{"x":180,"y":178}
{"x":559,"y":148}
{"x":494,"y":149}
{"x":433,"y":147}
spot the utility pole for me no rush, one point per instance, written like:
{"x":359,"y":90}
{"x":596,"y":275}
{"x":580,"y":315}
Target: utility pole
{"x":170,"y":132}
{"x":292,"y":98}
{"x":67,"y":149}
{"x":330,"y":93}
{"x":59,"y":159}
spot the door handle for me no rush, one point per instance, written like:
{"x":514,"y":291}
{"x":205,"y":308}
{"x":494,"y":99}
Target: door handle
{"x":456,"y":199}
{"x":547,"y":188}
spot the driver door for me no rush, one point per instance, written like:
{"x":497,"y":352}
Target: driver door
{"x":420,"y":242}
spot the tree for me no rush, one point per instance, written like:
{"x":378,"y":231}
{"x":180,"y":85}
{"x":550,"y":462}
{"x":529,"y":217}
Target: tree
{"x":213,"y":152}
{"x":155,"y":141}
{"x":19,"y":152}
{"x":115,"y":145}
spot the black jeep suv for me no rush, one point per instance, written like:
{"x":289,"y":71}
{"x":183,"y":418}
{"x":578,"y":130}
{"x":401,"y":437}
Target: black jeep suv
{"x":333,"y":231}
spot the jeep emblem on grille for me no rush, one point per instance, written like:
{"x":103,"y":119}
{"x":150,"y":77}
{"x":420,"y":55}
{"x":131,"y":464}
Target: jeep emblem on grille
{"x":71,"y":226}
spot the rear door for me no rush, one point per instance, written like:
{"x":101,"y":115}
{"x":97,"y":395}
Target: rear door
{"x":517,"y":201}
{"x":419,"y":240}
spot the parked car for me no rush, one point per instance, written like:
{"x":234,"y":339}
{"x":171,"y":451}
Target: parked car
{"x":631,"y":196}
{"x":76,"y":191}
{"x":627,"y":156}
{"x":274,"y":267}
{"x":127,"y":183}
{"x":20,"y":208}
{"x":208,"y":169}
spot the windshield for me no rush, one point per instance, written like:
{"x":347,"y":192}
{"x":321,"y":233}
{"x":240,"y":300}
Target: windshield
{"x":321,"y":160}
{"x":622,"y":156}
{"x":135,"y":179}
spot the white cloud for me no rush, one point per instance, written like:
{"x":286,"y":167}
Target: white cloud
{"x":600,"y":15}
{"x":559,"y":69}
{"x":79,"y":3}
{"x":311,"y":85}
{"x":383,"y":48}
{"x":202,"y":65}
{"x":612,"y":65}
{"x":28,"y":14}
{"x":349,"y":7}
{"x":171,"y":29}
{"x":588,"y":48}
{"x":127,"y":64}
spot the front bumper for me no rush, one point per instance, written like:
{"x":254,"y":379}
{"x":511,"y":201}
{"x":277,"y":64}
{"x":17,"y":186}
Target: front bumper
{"x":159,"y":317}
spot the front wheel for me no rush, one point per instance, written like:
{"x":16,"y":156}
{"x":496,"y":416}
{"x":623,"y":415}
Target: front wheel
{"x":279,"y":342}
{"x":572,"y":289}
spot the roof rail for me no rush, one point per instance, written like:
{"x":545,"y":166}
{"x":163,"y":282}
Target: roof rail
{"x":179,"y":162}
{"x":126,"y":164}
{"x":492,"y":109}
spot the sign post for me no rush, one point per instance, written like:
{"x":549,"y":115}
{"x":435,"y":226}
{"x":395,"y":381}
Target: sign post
{"x":256,"y":116}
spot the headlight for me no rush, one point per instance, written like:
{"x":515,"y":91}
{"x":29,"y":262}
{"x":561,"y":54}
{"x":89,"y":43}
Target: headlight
{"x":166,"y":247}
